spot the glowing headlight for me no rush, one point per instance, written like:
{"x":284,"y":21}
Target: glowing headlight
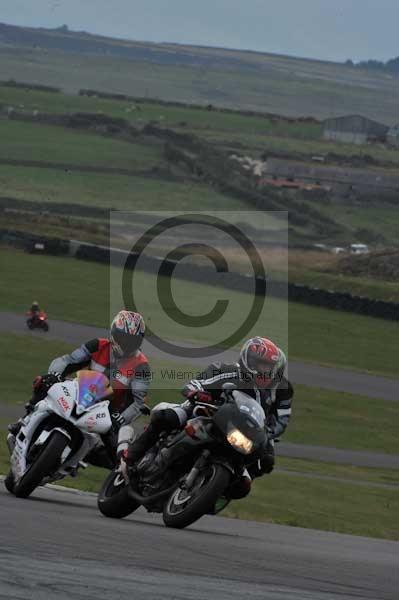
{"x":239,"y":441}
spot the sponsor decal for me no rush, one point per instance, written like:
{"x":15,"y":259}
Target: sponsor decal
{"x":91,"y":422}
{"x":64,"y":404}
{"x":101,"y":415}
{"x":66,"y":391}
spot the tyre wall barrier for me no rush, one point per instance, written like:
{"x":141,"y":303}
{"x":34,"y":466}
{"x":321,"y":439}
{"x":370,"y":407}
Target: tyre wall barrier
{"x":235,"y":281}
{"x":35,"y":244}
{"x":202,"y":274}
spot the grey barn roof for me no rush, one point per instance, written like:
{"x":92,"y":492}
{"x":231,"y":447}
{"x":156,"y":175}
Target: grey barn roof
{"x":354,"y":124}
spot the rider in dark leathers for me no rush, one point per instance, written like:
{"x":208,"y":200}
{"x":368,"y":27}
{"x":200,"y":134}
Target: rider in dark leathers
{"x":260,"y":374}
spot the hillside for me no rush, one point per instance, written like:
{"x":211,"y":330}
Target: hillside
{"x":104,"y":153}
{"x":222,"y":77}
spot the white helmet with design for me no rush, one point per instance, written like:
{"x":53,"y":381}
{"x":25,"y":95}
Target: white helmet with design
{"x":127,"y":333}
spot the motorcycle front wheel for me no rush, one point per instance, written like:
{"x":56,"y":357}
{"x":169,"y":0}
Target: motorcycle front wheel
{"x":46,"y":463}
{"x":9,"y":482}
{"x":186,"y":506}
{"x":113,"y":499}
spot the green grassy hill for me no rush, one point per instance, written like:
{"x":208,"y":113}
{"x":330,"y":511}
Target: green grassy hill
{"x":95,"y":166}
{"x":251,"y":80}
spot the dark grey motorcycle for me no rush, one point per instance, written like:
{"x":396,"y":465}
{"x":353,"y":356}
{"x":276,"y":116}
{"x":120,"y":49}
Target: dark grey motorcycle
{"x":187,"y":474}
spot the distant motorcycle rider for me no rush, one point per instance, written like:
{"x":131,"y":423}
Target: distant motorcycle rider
{"x":119,"y":358}
{"x":34,"y":310}
{"x":260,"y":374}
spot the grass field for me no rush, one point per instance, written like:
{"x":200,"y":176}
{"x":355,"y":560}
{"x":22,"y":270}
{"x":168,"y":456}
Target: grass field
{"x":255,"y":134}
{"x":377,"y":217}
{"x":111,"y":191}
{"x":45,"y":143}
{"x":331,"y":337}
{"x":340,"y":420}
{"x":312,"y":503}
{"x":347,"y":472}
{"x":138,"y":113}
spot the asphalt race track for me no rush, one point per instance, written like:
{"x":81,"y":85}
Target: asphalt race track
{"x":57,"y":546}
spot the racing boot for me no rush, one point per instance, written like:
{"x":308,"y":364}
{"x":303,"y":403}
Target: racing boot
{"x":104,"y":454}
{"x":136,"y":450}
{"x":14,"y":428}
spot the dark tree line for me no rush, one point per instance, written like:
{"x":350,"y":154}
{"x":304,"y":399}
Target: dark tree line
{"x":390,"y":66}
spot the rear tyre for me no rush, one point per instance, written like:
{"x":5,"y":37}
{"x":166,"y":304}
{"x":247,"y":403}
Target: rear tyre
{"x":9,"y":482}
{"x":113,"y":499}
{"x":46,"y":326}
{"x":45,"y":464}
{"x":29,"y":323}
{"x":183,"y":508}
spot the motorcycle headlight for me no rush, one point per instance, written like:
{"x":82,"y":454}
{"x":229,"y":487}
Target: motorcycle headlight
{"x":239,"y":441}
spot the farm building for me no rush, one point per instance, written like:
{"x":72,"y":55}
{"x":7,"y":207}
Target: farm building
{"x":393,"y":136}
{"x":354,"y":129}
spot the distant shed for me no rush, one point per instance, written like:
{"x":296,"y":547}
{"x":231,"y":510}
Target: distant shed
{"x":354,"y":129}
{"x":393,"y":136}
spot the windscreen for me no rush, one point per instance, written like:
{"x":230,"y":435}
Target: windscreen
{"x":250,"y":407}
{"x":93,"y":386}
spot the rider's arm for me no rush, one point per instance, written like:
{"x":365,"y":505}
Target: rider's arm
{"x":284,"y":395}
{"x":78,"y":359}
{"x":212,"y":380}
{"x":137,"y":392}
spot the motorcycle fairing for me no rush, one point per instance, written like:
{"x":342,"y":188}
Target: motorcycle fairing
{"x":24,"y":438}
{"x":63,"y":398}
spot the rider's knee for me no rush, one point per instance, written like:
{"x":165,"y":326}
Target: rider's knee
{"x":165,"y":420}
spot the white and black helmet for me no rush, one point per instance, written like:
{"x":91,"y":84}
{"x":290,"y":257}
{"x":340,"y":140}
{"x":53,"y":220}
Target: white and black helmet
{"x":127,"y":333}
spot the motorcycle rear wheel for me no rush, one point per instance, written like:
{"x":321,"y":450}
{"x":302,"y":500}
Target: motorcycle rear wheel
{"x":183,"y":508}
{"x":45,"y":464}
{"x":113,"y":501}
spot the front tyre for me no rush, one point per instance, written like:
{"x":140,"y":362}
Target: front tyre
{"x":45,"y":464}
{"x":9,"y":482}
{"x":113,"y":499}
{"x":184,"y":507}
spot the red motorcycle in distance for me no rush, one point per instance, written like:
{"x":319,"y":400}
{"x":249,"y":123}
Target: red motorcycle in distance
{"x":37,"y":320}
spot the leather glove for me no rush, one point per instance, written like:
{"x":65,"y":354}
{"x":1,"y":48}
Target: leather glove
{"x":42,"y":383}
{"x":198,"y":396}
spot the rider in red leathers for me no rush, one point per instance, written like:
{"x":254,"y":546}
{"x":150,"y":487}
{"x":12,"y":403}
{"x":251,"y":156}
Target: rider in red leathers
{"x":118,"y":357}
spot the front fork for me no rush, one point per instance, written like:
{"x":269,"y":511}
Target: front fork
{"x":195,"y":471}
{"x":200,"y":464}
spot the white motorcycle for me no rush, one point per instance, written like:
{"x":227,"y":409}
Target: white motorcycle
{"x":62,"y":429}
